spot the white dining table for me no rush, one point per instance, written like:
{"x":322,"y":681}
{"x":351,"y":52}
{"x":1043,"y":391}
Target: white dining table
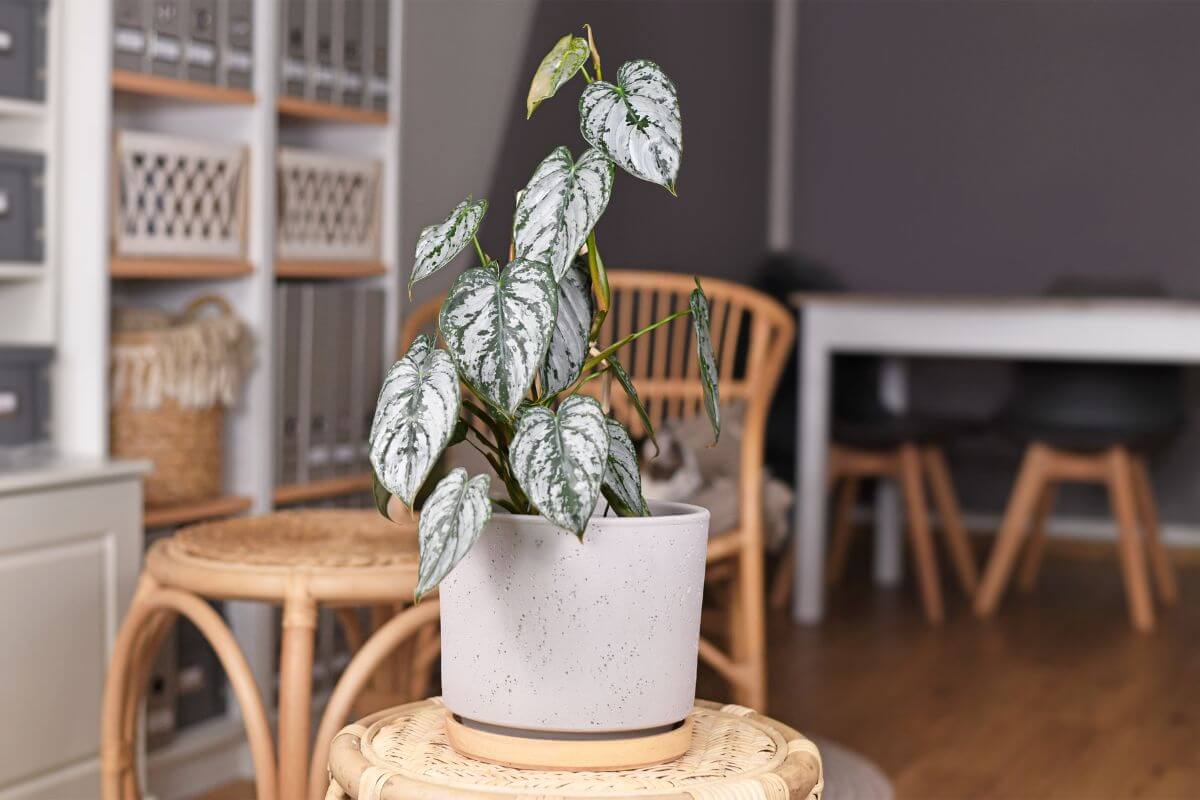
{"x":898,"y":327}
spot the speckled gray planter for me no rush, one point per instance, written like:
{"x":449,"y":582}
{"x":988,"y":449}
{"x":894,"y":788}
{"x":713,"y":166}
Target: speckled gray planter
{"x":544,"y":633}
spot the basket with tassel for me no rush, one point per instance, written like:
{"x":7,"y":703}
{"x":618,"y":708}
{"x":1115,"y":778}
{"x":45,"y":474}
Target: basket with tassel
{"x":171,"y":381}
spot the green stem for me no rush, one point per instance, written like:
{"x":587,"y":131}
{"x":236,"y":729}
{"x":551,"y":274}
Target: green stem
{"x":483,"y":259}
{"x":612,"y":348}
{"x":587,"y":76}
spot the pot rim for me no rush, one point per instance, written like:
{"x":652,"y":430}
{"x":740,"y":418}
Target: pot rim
{"x":675,"y":514}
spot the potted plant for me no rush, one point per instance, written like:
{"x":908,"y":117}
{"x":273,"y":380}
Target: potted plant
{"x":569,"y":605}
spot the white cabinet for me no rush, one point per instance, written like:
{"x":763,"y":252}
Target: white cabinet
{"x":70,"y":549}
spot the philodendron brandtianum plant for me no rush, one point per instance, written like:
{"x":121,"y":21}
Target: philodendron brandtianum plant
{"x":522,"y":338}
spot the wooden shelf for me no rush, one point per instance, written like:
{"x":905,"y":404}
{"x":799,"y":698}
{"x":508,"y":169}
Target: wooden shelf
{"x":320,"y":490}
{"x":170,"y":516}
{"x":177,"y":268}
{"x":175,"y":89}
{"x":311,"y":109}
{"x":296,"y":268}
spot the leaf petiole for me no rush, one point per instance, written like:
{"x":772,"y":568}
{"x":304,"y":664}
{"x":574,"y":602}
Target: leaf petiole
{"x":612,"y":348}
{"x":483,"y":258}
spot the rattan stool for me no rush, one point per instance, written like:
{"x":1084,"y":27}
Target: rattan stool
{"x":298,"y":559}
{"x":403,"y":754}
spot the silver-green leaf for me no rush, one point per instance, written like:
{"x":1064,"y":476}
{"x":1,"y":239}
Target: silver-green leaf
{"x":441,"y":242}
{"x":560,"y":64}
{"x":569,"y":344}
{"x":622,"y":478}
{"x":451,"y":521}
{"x":559,"y":460}
{"x":498,"y":327}
{"x":560,"y":206}
{"x":618,"y":371}
{"x":414,"y":418}
{"x":707,"y":361}
{"x":636,"y":123}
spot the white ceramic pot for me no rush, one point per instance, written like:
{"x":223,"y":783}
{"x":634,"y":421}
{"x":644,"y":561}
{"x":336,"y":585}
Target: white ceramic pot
{"x":544,"y":633}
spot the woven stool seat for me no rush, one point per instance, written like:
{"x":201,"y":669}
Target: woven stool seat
{"x":404,"y":753}
{"x":343,"y":555}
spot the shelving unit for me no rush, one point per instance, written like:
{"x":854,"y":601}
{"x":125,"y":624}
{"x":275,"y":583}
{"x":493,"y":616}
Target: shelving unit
{"x":172,"y":516}
{"x":311,"y":109}
{"x":322,"y":490}
{"x":176,"y":268}
{"x":95,"y":102}
{"x":159,"y":86}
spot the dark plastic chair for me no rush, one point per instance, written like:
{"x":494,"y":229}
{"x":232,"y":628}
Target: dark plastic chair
{"x":869,"y":441}
{"x":1090,"y":422}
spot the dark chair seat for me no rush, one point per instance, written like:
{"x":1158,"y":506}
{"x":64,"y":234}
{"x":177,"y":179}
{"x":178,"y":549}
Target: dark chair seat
{"x":886,"y":432}
{"x":1092,"y":438}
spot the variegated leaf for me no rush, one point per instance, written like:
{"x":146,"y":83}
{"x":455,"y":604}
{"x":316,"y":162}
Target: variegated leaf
{"x":441,"y":242}
{"x":560,"y":64}
{"x":707,"y":361}
{"x":451,"y":521}
{"x":636,"y":123}
{"x":559,"y":459}
{"x":560,"y":206}
{"x":414,"y":418}
{"x":618,"y":372}
{"x":569,"y":345}
{"x":622,"y":478}
{"x":498,"y":327}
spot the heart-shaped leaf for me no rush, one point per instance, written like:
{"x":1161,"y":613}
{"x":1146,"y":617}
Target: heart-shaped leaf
{"x":569,"y":345}
{"x":498,"y":327}
{"x":707,"y":361}
{"x":622,"y":478}
{"x":414,"y":418}
{"x":636,"y":123}
{"x":560,"y":64}
{"x":441,"y":242}
{"x":560,"y":206}
{"x":559,"y":460}
{"x":450,"y":524}
{"x":618,"y":372}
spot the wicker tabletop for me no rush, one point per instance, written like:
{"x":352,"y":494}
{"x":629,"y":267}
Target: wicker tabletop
{"x":736,"y":753}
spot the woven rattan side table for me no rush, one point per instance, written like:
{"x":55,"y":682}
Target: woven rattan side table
{"x":736,"y":754}
{"x":297,"y":559}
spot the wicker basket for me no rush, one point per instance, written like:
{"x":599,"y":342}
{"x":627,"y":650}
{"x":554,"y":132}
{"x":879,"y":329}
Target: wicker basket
{"x":172,"y":380}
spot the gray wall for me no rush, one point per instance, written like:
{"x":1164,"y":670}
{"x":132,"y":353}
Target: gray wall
{"x":985,"y":147}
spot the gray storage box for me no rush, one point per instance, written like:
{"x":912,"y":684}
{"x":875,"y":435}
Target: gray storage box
{"x":293,"y":27}
{"x":237,"y":54}
{"x":322,"y":64}
{"x":200,"y":50}
{"x":351,"y":80}
{"x":24,"y":395}
{"x":166,"y":45}
{"x":377,"y":80}
{"x":22,"y":179}
{"x":130,"y":24}
{"x":23,"y":49}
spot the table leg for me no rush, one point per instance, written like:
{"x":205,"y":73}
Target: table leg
{"x":889,"y":521}
{"x":295,"y":691}
{"x":812,"y":432}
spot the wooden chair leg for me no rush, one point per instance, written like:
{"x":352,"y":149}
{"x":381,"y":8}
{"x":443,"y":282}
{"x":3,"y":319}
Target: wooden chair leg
{"x":295,"y":691}
{"x":1035,"y":549}
{"x":942,"y":489}
{"x":1028,"y":488}
{"x":748,"y":627}
{"x":1121,"y":493}
{"x":1160,"y":561}
{"x":358,"y":672}
{"x":924,"y":556}
{"x":781,"y":583}
{"x":843,"y":530}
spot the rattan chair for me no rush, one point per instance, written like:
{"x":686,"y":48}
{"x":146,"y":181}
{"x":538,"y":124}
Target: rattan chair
{"x":752,"y":335}
{"x":299,"y":560}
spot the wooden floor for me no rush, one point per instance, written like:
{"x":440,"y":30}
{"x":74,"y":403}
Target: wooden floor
{"x":1054,"y":698}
